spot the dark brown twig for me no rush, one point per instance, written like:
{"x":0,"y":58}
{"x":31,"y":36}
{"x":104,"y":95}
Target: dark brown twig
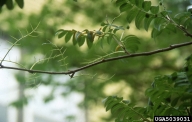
{"x":72,"y":72}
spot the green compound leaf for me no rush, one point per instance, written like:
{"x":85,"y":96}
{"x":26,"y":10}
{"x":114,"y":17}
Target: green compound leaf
{"x":154,"y":9}
{"x":139,"y":18}
{"x":132,"y":14}
{"x":125,"y":7}
{"x":146,"y":5}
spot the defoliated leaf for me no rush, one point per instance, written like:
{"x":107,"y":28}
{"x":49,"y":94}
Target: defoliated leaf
{"x":132,"y":14}
{"x":9,"y":4}
{"x":147,"y":22}
{"x":138,"y":20}
{"x":146,"y":5}
{"x":125,"y":7}
{"x":20,"y":3}
{"x":139,"y":3}
{"x":68,"y":36}
{"x":154,"y":9}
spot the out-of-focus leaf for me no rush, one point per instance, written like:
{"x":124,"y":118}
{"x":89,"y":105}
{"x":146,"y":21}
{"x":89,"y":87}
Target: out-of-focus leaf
{"x":20,"y":3}
{"x":9,"y":4}
{"x":109,"y":38}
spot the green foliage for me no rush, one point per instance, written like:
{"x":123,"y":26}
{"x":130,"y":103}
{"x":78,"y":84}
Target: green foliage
{"x":110,"y":36}
{"x":169,"y":95}
{"x":9,"y":3}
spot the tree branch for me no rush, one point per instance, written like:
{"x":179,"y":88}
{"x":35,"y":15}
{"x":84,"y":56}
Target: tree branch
{"x":72,"y":72}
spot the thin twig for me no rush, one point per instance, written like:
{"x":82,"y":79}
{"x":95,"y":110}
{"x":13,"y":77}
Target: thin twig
{"x":17,"y":40}
{"x":174,"y":46}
